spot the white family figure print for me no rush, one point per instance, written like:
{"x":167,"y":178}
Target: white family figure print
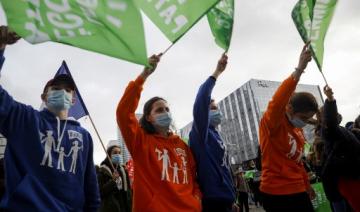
{"x":74,"y":150}
{"x":175,"y":173}
{"x":164,"y":156}
{"x":49,"y":145}
{"x":184,"y":162}
{"x":293,"y":146}
{"x":60,"y":164}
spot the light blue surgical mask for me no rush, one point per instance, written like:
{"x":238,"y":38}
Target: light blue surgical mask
{"x":59,"y":100}
{"x":163,"y":120}
{"x":296,"y":122}
{"x":215,"y":117}
{"x":116,"y":159}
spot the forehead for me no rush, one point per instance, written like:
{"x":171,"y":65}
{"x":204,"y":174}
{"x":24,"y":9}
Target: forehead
{"x":160,"y":104}
{"x":116,"y":149}
{"x":213,"y":106}
{"x":60,"y":86}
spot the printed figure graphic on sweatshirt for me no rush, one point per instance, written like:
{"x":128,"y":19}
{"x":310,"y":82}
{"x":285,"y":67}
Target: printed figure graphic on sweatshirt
{"x":184,"y":162}
{"x":60,"y":164}
{"x":49,"y":145}
{"x":165,"y":163}
{"x":74,"y":150}
{"x":175,"y":173}
{"x":35,"y":161}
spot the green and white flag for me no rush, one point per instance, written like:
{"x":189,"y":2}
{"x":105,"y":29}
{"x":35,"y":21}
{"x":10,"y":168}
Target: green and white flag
{"x":312,"y":19}
{"x":111,"y":27}
{"x":221,"y":20}
{"x":175,"y":17}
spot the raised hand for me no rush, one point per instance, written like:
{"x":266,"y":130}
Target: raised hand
{"x":7,"y":37}
{"x":153,"y":61}
{"x":221,"y":65}
{"x":329,"y":93}
{"x":305,"y":57}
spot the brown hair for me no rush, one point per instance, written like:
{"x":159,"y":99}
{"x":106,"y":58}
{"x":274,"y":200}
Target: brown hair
{"x":303,"y":102}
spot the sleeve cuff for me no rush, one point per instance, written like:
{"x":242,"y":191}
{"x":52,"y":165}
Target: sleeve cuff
{"x":139,"y":81}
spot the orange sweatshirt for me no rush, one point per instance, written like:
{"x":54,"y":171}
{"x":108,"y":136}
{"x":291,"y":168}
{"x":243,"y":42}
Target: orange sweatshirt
{"x":164,"y":168}
{"x":281,"y":147}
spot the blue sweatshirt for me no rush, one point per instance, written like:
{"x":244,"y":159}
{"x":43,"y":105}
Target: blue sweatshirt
{"x":44,"y":172}
{"x":213,"y":168}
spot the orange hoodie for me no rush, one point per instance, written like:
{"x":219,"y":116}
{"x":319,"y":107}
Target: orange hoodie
{"x":281,"y":147}
{"x":164,"y":177}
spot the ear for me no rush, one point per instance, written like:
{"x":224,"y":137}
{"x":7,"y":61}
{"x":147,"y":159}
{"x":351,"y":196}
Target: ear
{"x":148,"y":118}
{"x":43,"y":97}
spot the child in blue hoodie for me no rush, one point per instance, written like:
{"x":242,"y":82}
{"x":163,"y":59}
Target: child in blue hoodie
{"x":213,"y":168}
{"x":49,"y":157}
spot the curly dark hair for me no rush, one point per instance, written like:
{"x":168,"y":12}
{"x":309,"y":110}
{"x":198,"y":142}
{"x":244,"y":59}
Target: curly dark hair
{"x":145,"y":124}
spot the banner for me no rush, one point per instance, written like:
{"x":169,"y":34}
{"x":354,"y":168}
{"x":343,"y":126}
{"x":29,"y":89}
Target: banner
{"x":175,"y":17}
{"x":312,"y":19}
{"x":110,"y":27}
{"x":221,"y":20}
{"x":320,"y":203}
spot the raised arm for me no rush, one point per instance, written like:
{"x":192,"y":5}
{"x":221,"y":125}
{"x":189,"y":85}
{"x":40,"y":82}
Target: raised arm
{"x":330,"y":119}
{"x":277,"y":105}
{"x":202,"y":101}
{"x":125,"y":112}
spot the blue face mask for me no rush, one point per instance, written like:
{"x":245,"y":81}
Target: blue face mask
{"x":59,"y":100}
{"x":215,"y":117}
{"x":163,"y":120}
{"x":116,"y":159}
{"x":296,"y":122}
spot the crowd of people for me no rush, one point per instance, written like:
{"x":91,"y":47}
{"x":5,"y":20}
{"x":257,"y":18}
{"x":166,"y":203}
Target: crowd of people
{"x":48,"y":163}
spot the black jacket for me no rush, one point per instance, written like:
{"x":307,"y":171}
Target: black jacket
{"x":113,"y":199}
{"x":342,"y":152}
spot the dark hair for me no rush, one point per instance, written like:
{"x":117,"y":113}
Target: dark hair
{"x":303,"y":102}
{"x":357,"y":122}
{"x":145,"y":124}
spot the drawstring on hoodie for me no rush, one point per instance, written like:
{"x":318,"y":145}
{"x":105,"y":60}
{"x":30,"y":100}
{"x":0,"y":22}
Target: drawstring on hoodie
{"x":60,"y":136}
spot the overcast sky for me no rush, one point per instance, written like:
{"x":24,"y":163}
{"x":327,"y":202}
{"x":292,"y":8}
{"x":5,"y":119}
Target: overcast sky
{"x":265,"y":45}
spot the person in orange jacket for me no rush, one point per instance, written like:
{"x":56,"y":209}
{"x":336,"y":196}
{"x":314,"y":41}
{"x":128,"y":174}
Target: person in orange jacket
{"x":165,"y":171}
{"x":284,"y":182}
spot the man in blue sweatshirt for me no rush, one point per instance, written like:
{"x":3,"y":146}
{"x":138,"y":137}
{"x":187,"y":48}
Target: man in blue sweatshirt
{"x":209,"y":150}
{"x":49,"y":157}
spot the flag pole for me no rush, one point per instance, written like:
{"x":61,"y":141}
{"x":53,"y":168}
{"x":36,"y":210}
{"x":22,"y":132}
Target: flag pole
{"x":324,"y":78}
{"x":102,"y":144}
{"x":168,"y":48}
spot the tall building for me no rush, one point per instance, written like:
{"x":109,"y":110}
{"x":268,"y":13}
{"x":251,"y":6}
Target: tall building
{"x":2,"y":145}
{"x":242,"y":111}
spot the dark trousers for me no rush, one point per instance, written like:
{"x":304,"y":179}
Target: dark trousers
{"x":243,"y":201}
{"x":299,"y":202}
{"x":215,"y":205}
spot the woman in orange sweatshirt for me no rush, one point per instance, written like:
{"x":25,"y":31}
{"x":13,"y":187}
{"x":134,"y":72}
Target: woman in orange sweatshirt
{"x":164,"y":178}
{"x":284,"y":181}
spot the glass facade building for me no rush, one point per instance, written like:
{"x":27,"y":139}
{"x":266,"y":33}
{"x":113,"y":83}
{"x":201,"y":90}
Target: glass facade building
{"x":242,"y":111}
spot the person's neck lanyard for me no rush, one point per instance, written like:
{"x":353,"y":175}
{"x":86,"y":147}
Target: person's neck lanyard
{"x":60,"y":136}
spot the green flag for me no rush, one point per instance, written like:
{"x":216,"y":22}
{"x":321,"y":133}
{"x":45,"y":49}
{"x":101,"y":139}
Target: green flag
{"x":221,"y":19}
{"x":312,"y":19}
{"x":175,"y":17}
{"x":111,"y":27}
